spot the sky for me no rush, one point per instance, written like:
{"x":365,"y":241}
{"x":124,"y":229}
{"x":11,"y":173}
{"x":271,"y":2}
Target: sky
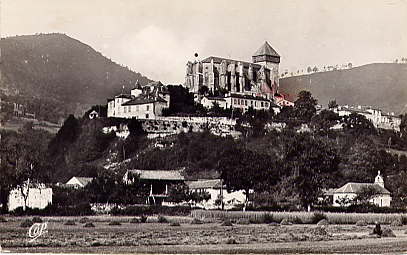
{"x":158,"y":37}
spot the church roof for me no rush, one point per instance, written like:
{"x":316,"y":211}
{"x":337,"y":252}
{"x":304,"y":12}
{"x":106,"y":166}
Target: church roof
{"x":219,"y":60}
{"x":266,"y":49}
{"x":353,"y":187}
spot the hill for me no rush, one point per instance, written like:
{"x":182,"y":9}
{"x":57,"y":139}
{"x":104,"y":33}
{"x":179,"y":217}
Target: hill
{"x":57,"y":69}
{"x":379,"y":85}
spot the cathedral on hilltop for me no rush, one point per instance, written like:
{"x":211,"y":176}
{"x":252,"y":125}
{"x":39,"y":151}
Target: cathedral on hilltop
{"x":217,"y":75}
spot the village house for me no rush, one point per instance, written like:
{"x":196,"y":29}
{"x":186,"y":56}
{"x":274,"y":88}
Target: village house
{"x":378,"y":118}
{"x":144,"y":102}
{"x":351,"y":189}
{"x":38,"y":196}
{"x":79,"y":182}
{"x":219,"y":196}
{"x":158,"y":180}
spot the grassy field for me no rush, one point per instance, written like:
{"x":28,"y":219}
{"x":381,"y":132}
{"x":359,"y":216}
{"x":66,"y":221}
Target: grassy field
{"x":304,"y":217}
{"x":209,"y":237}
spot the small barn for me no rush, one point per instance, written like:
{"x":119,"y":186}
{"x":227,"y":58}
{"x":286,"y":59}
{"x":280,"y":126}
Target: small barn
{"x":158,"y":180}
{"x":79,"y":182}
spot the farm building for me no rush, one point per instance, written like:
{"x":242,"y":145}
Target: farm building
{"x":79,"y":182}
{"x":159,"y":181}
{"x":351,"y":189}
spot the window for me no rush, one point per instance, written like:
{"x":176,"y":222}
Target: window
{"x":147,"y":108}
{"x":262,"y":104}
{"x":147,"y":116}
{"x":234,"y":101}
{"x":266,"y":104}
{"x":130,"y":108}
{"x":245,"y":102}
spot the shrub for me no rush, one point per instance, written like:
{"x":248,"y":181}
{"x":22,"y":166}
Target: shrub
{"x":162,"y":219}
{"x":243,"y":221}
{"x":137,"y":210}
{"x":323,"y":222}
{"x":143,"y":219}
{"x":37,"y":219}
{"x":135,"y":220}
{"x":196,"y":221}
{"x":114,"y":223}
{"x":285,"y":222}
{"x":89,"y":225}
{"x":27,"y":223}
{"x":231,"y":241}
{"x":84,"y":220}
{"x":297,"y":220}
{"x":70,"y":223}
{"x":396,"y":223}
{"x":387,"y":232}
{"x":175,"y":224}
{"x":318,"y":231}
{"x":227,"y":222}
{"x":361,"y":223}
{"x":268,"y":218}
{"x":317,"y":217}
{"x":2,"y":219}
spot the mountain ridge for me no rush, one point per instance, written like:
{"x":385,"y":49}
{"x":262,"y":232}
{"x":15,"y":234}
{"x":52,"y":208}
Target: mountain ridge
{"x":381,"y":85}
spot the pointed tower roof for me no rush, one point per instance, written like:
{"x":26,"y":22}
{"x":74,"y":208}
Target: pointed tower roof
{"x":266,"y":50}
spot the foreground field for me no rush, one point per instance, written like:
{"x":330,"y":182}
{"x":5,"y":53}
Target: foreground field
{"x":210,"y":237}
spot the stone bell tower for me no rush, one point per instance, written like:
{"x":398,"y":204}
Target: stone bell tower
{"x":269,"y":58}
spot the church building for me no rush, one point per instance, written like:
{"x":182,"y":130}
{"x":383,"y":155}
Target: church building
{"x":216,"y":74}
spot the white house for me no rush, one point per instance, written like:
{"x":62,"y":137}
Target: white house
{"x":208,"y":102}
{"x":38,"y":196}
{"x":351,"y":189}
{"x":145,"y":102}
{"x":378,"y":118}
{"x":217,"y":191}
{"x":79,"y":182}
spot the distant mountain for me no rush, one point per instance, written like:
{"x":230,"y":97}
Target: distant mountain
{"x":378,"y":85}
{"x":61,"y":69}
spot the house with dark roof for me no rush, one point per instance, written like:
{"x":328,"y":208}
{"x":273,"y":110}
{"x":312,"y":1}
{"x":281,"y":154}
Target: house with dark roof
{"x":79,"y":182}
{"x":158,"y":180}
{"x":350,"y":190}
{"x":143,"y":102}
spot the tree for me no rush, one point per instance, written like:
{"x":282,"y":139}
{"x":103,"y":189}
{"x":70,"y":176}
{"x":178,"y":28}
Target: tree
{"x":350,"y":65}
{"x":403,"y":126}
{"x":357,"y":124}
{"x":309,"y":69}
{"x":308,"y":165}
{"x":323,"y":121}
{"x":246,"y":170}
{"x":305,"y":106}
{"x":365,"y":194}
{"x":332,"y":104}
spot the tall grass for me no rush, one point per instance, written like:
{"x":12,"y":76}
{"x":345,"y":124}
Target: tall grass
{"x":304,"y":217}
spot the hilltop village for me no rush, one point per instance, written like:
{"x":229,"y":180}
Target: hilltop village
{"x":227,"y":138}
